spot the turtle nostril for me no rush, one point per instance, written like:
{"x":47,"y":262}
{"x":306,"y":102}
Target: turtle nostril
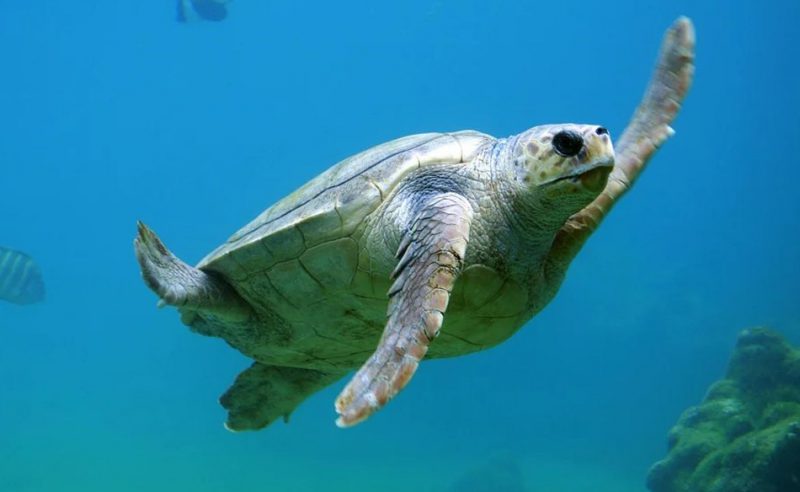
{"x":567,"y":143}
{"x":601,"y":131}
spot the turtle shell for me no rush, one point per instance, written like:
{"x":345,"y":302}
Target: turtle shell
{"x":308,"y":232}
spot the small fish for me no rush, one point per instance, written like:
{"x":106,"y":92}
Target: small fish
{"x":20,"y":278}
{"x":210,"y":10}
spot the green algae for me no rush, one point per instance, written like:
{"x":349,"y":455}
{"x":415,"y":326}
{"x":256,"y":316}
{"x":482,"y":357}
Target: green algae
{"x":745,"y":436}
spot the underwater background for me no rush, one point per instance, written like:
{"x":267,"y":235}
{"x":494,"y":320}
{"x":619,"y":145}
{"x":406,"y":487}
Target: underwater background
{"x":113,"y":112}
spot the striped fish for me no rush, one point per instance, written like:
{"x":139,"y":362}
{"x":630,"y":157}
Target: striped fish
{"x":20,"y":278}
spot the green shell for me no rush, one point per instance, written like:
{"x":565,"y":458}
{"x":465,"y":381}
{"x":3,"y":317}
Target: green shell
{"x":332,"y":205}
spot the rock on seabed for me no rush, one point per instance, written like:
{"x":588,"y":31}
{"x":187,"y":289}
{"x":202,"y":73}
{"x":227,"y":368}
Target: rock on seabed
{"x":745,"y":436}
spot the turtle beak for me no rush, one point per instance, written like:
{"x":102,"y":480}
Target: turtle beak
{"x":598,"y":148}
{"x":595,"y":179}
{"x":596,"y":159}
{"x":592,"y":175}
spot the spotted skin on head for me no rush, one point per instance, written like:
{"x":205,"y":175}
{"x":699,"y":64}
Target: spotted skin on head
{"x":544,"y":164}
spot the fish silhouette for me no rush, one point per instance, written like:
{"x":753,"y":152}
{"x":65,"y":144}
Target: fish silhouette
{"x":20,"y":278}
{"x":210,"y":10}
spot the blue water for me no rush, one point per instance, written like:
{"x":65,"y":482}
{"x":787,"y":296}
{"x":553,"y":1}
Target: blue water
{"x":113,"y":112}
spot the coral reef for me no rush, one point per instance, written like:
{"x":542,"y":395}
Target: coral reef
{"x":745,"y":436}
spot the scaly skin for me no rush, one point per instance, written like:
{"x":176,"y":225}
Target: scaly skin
{"x":515,"y":195}
{"x":648,"y":130}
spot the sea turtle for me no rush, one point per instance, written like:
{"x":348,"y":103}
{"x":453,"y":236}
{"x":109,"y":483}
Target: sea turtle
{"x":438,"y":244}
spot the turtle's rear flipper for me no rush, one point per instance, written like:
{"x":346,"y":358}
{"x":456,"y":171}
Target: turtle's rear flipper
{"x":263,"y":394}
{"x":183,"y":286}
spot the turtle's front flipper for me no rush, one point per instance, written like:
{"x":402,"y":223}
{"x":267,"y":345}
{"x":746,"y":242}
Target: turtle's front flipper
{"x":430,"y":258}
{"x":183,"y":286}
{"x":650,"y":125}
{"x":647,"y":130}
{"x":263,"y":394}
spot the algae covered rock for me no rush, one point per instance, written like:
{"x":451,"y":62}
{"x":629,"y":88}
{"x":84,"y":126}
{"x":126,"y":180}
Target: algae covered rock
{"x":745,"y":436}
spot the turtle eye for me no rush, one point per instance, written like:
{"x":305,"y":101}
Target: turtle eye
{"x":567,"y":143}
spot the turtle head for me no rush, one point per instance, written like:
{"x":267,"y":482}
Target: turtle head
{"x":564,"y":157}
{"x":561,"y":168}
